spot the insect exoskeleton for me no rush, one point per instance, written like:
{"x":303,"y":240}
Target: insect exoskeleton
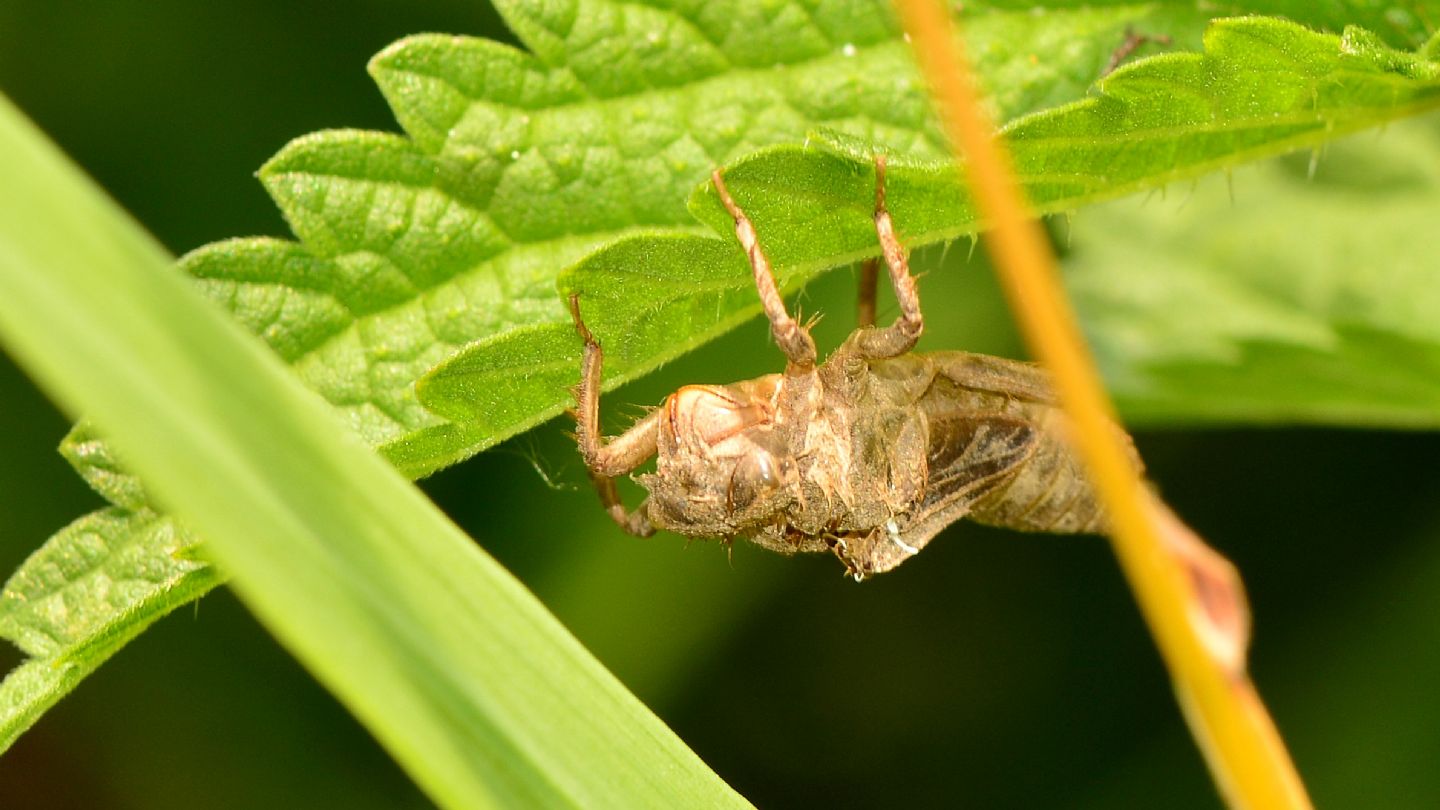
{"x":867,"y":455}
{"x":721,"y":468}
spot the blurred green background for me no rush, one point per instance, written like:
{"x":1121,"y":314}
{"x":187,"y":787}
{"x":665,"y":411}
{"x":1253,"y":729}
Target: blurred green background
{"x":1001,"y":671}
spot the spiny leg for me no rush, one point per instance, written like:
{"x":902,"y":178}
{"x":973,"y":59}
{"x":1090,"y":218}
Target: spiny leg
{"x":621,"y":455}
{"x":900,"y":336}
{"x":793,"y":339}
{"x":865,"y":299}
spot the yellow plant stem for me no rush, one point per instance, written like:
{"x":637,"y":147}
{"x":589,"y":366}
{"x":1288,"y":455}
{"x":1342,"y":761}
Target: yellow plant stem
{"x":1240,"y":743}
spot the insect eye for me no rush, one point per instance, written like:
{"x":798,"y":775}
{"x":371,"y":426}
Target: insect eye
{"x":754,"y":475}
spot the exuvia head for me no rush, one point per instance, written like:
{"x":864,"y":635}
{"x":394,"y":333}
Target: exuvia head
{"x":722,"y":467}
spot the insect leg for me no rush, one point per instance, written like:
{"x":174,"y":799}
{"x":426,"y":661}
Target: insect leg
{"x":865,"y":299}
{"x":793,"y":339}
{"x":604,"y":461}
{"x":900,"y":336}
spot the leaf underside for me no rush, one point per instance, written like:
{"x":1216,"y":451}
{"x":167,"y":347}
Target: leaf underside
{"x":1184,"y":302}
{"x":442,"y":249}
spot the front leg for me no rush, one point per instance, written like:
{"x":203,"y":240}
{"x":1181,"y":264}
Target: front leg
{"x":605,"y":461}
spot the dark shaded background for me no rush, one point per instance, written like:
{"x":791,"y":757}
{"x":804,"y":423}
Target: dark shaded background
{"x":1002,"y":671}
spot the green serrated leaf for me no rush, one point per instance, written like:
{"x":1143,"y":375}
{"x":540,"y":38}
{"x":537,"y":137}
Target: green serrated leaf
{"x":94,"y":459}
{"x":519,"y":165}
{"x":94,"y":586}
{"x":1262,"y":87}
{"x":96,"y":567}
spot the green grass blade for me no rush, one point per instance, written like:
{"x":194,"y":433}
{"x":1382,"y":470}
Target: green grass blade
{"x":479,"y":693}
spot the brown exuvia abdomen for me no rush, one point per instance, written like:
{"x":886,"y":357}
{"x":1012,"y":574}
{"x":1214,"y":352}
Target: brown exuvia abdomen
{"x":1049,"y":492}
{"x":996,"y":423}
